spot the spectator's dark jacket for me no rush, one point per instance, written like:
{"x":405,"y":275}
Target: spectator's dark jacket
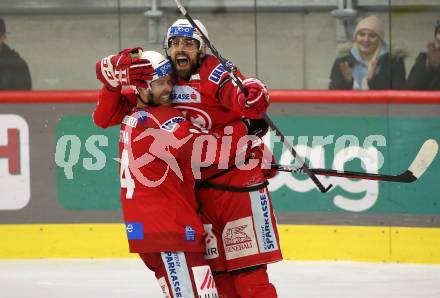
{"x":14,"y":72}
{"x":390,"y":71}
{"x":420,"y":78}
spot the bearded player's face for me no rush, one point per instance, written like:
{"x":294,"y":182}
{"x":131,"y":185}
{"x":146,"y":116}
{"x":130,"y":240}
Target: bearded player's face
{"x":160,"y":92}
{"x":185,"y":55}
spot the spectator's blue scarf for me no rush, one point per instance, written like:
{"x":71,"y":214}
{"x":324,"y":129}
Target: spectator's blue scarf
{"x":360,"y":68}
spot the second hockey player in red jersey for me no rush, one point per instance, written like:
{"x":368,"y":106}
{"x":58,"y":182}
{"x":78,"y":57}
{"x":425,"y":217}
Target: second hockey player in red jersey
{"x":157,"y":196}
{"x":236,"y":209}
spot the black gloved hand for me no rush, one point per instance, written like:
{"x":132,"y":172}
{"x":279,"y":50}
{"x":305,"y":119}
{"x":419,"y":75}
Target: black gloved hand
{"x":257,"y":127}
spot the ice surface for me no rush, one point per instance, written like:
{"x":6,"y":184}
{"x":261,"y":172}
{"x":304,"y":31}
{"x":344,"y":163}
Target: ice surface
{"x":128,"y":278}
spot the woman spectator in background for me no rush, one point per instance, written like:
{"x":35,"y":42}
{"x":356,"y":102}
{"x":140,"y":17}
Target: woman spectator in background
{"x":367,"y":63}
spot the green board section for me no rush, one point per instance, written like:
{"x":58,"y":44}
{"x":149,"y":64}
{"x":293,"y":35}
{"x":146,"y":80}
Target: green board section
{"x":387,"y":145}
{"x":398,"y":141}
{"x":87,"y":174}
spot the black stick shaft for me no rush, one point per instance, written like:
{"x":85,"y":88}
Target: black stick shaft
{"x":214,"y":51}
{"x":405,"y":177}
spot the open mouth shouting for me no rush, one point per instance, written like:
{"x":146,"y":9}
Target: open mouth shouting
{"x":182,"y":61}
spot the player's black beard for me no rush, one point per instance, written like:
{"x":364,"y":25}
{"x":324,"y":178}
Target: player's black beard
{"x":185,"y":74}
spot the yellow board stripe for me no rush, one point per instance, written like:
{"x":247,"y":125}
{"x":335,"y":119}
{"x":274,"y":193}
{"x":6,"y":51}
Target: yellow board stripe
{"x":63,"y":241}
{"x":298,"y":242}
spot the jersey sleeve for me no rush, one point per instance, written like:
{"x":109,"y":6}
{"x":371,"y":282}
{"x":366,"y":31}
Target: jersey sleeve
{"x":228,"y":91}
{"x":219,"y":84}
{"x":228,"y":95}
{"x":112,"y":106}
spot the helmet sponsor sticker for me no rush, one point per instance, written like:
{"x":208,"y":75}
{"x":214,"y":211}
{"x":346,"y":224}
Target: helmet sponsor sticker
{"x":181,"y":31}
{"x":239,"y":238}
{"x":164,"y":69}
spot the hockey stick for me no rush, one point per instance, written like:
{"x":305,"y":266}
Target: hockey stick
{"x":420,"y":164}
{"x":237,"y":81}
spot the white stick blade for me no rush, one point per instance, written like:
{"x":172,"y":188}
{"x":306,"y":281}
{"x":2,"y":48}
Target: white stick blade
{"x":424,"y":158}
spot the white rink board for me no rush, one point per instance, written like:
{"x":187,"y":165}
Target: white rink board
{"x":129,"y":278}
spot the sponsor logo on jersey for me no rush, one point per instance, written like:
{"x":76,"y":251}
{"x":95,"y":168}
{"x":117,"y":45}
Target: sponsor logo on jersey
{"x":178,"y":274}
{"x":171,"y":124}
{"x":216,"y":74}
{"x":239,"y":238}
{"x":130,"y":121}
{"x":204,"y":282}
{"x":195,"y":77}
{"x":190,"y":233}
{"x":263,"y":222}
{"x":185,"y":94}
{"x":142,"y":116}
{"x":181,"y":31}
{"x":211,"y":249}
{"x":135,"y":230}
{"x":198,"y":117}
{"x":164,"y":287}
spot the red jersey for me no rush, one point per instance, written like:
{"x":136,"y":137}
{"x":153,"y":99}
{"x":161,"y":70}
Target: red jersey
{"x":209,"y":100}
{"x":157,"y":182}
{"x":158,"y":203}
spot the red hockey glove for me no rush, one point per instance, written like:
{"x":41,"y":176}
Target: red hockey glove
{"x":124,"y":69}
{"x":256,"y":103}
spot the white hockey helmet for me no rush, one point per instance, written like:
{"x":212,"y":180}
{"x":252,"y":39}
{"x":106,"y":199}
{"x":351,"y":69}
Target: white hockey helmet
{"x":162,"y":66}
{"x":182,"y":27}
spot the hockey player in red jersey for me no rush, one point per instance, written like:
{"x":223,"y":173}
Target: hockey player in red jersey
{"x":237,"y":211}
{"x":157,"y":196}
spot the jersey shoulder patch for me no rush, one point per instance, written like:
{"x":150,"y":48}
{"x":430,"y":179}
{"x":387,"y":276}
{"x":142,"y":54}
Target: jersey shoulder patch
{"x":216,"y":70}
{"x":171,"y":124}
{"x":216,"y":74}
{"x":132,"y":120}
